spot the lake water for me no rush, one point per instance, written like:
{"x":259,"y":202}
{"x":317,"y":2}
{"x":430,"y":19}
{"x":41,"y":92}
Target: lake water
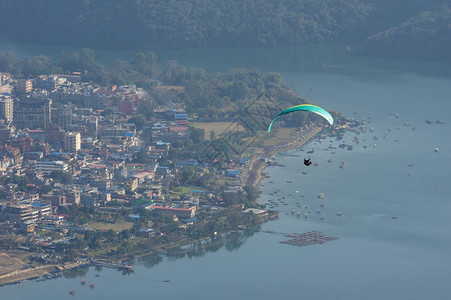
{"x":395,"y":229}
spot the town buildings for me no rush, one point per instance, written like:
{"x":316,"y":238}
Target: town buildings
{"x":72,"y":141}
{"x":32,"y":113}
{"x":6,"y":108}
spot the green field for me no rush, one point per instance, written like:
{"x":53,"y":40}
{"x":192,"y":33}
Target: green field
{"x":118,"y":227}
{"x":218,"y":127}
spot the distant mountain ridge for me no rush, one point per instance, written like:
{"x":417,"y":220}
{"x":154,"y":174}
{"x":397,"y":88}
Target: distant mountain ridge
{"x":170,"y":24}
{"x":429,"y":32}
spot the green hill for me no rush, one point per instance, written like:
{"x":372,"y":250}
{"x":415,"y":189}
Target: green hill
{"x":169,"y":24}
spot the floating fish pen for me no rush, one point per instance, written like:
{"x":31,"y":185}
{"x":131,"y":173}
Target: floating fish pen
{"x":308,"y":238}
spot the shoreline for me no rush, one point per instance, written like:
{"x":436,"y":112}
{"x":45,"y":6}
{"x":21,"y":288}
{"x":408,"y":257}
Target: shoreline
{"x":17,"y":276}
{"x":253,"y":172}
{"x":253,"y":176}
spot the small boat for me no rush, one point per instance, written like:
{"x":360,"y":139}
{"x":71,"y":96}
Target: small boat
{"x":436,"y":149}
{"x":321,"y":195}
{"x":72,"y":291}
{"x":166,"y":280}
{"x":83,"y":281}
{"x":339,"y":213}
{"x":92,"y":284}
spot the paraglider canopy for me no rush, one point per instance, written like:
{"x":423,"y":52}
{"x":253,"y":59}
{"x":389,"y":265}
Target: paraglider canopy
{"x":304,"y":107}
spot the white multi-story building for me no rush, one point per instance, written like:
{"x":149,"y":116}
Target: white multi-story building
{"x":22,"y":213}
{"x":47,"y":167}
{"x":72,"y":142}
{"x":6,"y":108}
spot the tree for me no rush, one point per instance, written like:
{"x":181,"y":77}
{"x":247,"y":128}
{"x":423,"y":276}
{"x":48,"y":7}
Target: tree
{"x":45,"y":189}
{"x":125,"y":234}
{"x":61,"y":176}
{"x":38,"y":65}
{"x":139,"y":122}
{"x":141,"y":157}
{"x":146,"y":63}
{"x":8,"y":62}
{"x":174,"y":73}
{"x":83,"y":60}
{"x":107,"y":112}
{"x":120,"y":72}
{"x":146,"y":108}
{"x":197,"y":135}
{"x":212,"y":135}
{"x":251,"y":193}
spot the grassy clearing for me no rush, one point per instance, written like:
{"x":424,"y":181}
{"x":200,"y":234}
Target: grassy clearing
{"x":183,"y":190}
{"x":279,"y":136}
{"x":218,"y":127}
{"x":118,"y":227}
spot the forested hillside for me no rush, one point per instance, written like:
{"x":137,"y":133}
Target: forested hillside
{"x":428,"y":34}
{"x":153,"y":24}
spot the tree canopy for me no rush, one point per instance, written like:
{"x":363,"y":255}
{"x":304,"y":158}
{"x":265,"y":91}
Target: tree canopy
{"x":152,"y":24}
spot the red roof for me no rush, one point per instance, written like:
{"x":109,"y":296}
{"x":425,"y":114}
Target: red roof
{"x":178,"y":128}
{"x":36,"y":131}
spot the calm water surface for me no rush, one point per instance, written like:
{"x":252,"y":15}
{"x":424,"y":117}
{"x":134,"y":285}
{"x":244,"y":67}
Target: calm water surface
{"x":377,"y":256}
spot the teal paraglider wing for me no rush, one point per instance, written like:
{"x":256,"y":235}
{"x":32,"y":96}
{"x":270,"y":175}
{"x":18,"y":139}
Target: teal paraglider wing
{"x":304,"y":107}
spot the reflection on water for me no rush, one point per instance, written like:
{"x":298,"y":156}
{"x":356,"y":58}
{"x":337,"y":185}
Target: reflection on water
{"x":74,"y":273}
{"x":150,"y":261}
{"x":231,"y":242}
{"x":98,"y":268}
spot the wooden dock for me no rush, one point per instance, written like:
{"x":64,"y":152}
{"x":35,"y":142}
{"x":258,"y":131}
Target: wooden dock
{"x":308,"y":238}
{"x":100,"y":263}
